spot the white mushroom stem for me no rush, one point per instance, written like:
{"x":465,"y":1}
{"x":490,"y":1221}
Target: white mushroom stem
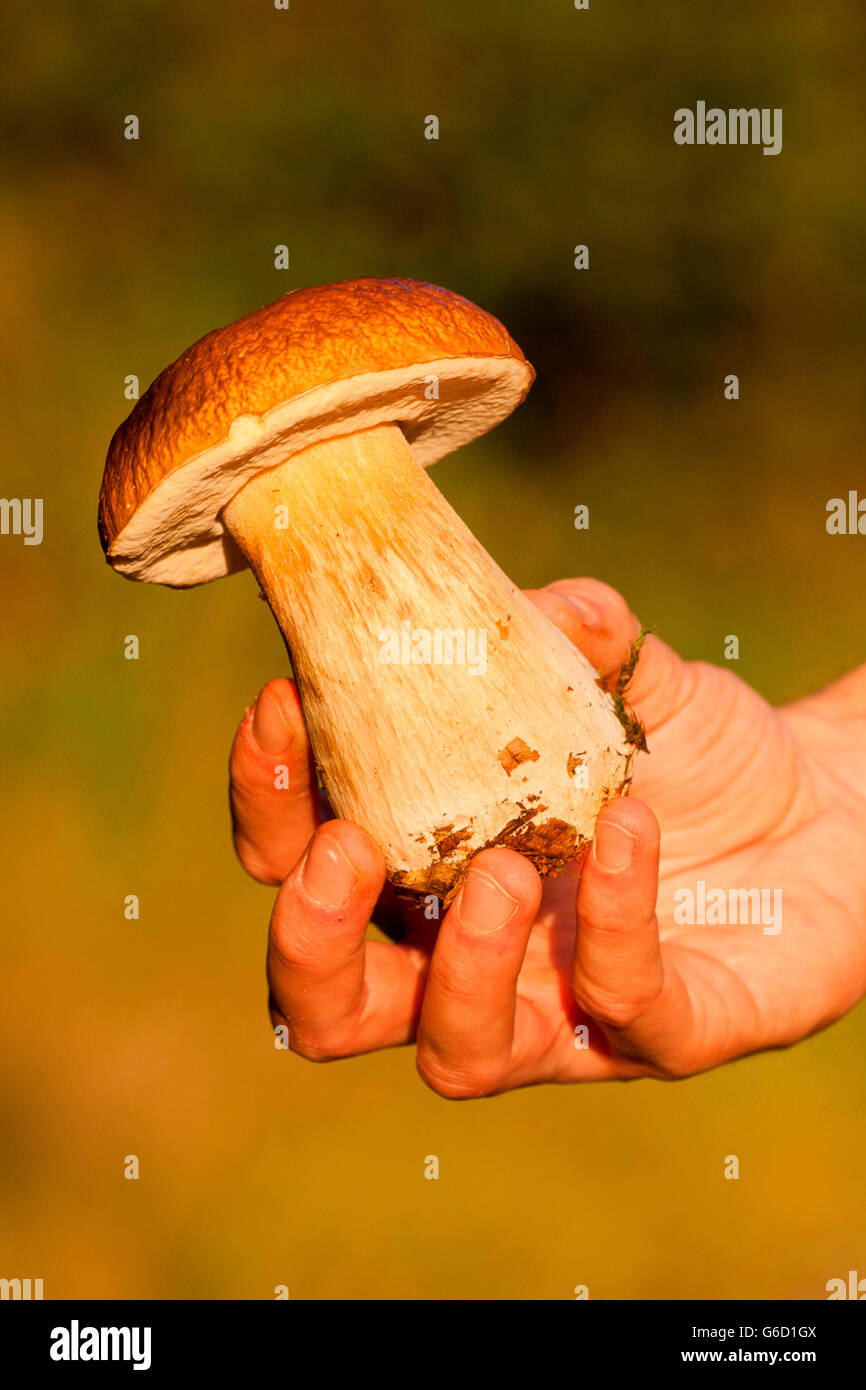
{"x":445,"y":712}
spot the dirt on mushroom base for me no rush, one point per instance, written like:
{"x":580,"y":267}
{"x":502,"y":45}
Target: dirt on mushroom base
{"x":550,"y":845}
{"x":516,"y":752}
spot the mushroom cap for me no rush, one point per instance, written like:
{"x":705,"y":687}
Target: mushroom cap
{"x":319,"y":362}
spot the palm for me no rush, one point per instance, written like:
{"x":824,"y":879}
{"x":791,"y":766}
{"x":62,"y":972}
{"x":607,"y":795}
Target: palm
{"x":740,"y":804}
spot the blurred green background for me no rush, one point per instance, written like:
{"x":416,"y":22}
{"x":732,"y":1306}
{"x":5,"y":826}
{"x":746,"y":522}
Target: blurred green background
{"x":305,"y":127}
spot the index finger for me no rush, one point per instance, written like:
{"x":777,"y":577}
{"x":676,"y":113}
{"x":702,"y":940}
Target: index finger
{"x":273,"y":787}
{"x":338,"y":993}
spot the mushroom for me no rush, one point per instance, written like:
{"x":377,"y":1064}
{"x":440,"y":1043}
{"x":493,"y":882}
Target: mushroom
{"x":445,"y":712}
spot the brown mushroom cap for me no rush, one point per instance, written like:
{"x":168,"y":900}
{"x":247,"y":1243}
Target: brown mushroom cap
{"x":316,"y":363}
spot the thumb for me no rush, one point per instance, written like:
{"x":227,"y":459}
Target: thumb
{"x":598,"y":620}
{"x":594,"y":617}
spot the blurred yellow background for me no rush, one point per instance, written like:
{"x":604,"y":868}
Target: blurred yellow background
{"x":306,"y":127}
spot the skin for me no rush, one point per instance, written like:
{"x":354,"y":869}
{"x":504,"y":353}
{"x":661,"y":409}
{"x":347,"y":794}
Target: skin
{"x":743,"y":795}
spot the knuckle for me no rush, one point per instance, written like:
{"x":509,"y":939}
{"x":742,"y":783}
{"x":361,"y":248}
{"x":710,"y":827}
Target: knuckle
{"x":254,"y":862}
{"x":674,"y":1069}
{"x":298,"y":942}
{"x":612,"y":1010}
{"x":309,"y":1043}
{"x":259,"y":869}
{"x":289,"y":952}
{"x":315,"y":1050}
{"x":452,"y":1083}
{"x":245,"y":779}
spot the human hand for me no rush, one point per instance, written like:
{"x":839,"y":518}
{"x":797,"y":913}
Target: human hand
{"x":587,"y":976}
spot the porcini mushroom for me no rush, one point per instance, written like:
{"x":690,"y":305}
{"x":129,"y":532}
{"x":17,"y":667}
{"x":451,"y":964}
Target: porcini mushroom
{"x":445,"y":712}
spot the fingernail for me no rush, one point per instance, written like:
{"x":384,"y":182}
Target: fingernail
{"x":270,"y":729}
{"x":614,"y":846}
{"x":589,"y":615}
{"x":328,"y":878}
{"x":485,"y":906}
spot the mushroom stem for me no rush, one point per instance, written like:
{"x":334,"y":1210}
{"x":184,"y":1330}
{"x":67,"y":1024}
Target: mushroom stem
{"x":445,"y":712}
